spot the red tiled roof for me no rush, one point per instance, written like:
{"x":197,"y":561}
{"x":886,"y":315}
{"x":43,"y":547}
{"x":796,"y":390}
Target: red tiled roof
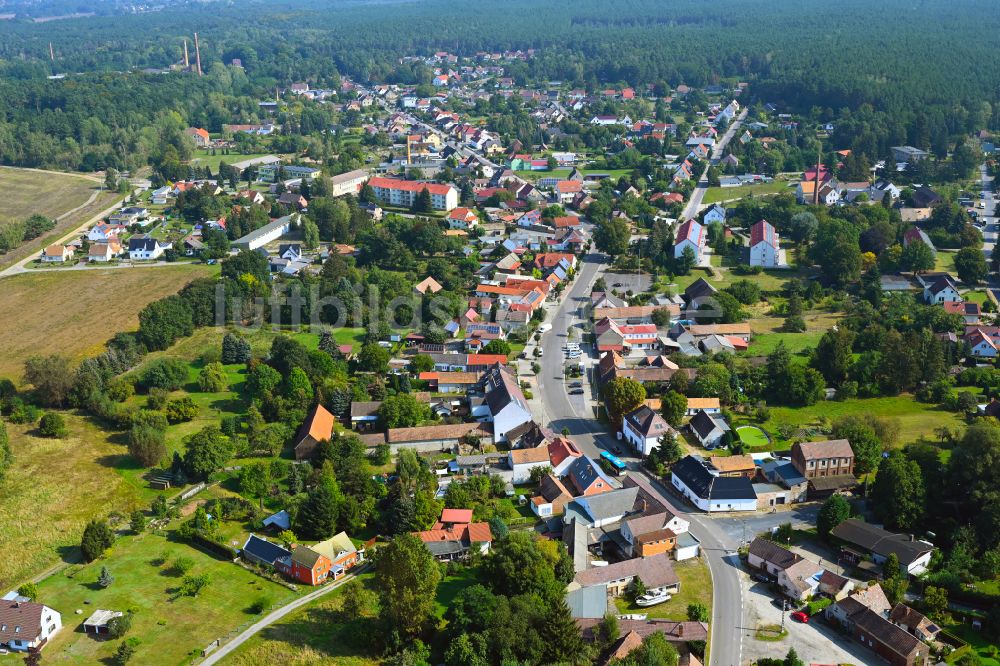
{"x":409,"y":185}
{"x":763,"y":231}
{"x":461,"y":516}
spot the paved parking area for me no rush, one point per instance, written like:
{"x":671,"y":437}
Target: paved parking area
{"x":815,"y":643}
{"x":628,"y":281}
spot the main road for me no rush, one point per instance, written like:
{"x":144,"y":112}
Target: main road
{"x":576,"y":413}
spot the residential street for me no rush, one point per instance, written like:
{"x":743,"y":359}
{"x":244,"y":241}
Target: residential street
{"x":991,"y":226}
{"x":561,"y":410}
{"x":694,"y":203}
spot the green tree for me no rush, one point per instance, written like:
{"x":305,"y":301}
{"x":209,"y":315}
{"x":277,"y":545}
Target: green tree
{"x":622,"y":395}
{"x":310,"y":234}
{"x":106,"y":579}
{"x":373,"y":358}
{"x":52,"y":424}
{"x":318,"y":515}
{"x":402,"y":411}
{"x":935,"y":601}
{"x":497,"y":347}
{"x":126,"y":650}
{"x":971,"y":266}
{"x":192,"y":586}
{"x":917,"y":257}
{"x":235,"y":349}
{"x":832,"y":356}
{"x":206,"y":451}
{"x":50,"y":378}
{"x":673,"y":405}
{"x":423,"y":203}
{"x":421,"y":363}
{"x":147,"y":445}
{"x":29,"y":590}
{"x":406,"y":581}
{"x":864,"y":442}
{"x":97,"y":538}
{"x":262,"y":380}
{"x":898,"y":493}
{"x":612,"y":236}
{"x":162,"y":322}
{"x":137,"y":522}
{"x":212,"y":378}
{"x":684,"y":263}
{"x":697,"y":612}
{"x":6,"y":453}
{"x":256,"y":480}
{"x":834,"y":511}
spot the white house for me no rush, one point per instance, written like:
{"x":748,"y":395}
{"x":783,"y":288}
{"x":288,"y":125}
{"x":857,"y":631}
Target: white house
{"x":462,"y":218}
{"x":25,"y":625}
{"x":716,"y":213}
{"x":765,"y":246}
{"x":981,"y":344}
{"x":505,"y":402}
{"x":145,"y":248}
{"x":643,"y":428}
{"x":522,"y":461}
{"x":942,"y":290}
{"x":696,"y":481}
{"x":709,"y":429}
{"x":691,"y":234}
{"x":57,"y":254}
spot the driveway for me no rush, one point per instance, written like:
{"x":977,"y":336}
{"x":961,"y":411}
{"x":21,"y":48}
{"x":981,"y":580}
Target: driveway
{"x":815,"y":643}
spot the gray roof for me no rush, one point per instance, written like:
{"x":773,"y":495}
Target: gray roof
{"x":880,"y":541}
{"x":590,"y":602}
{"x":655,"y":571}
{"x":264,"y":230}
{"x":647,"y":422}
{"x":603,"y":506}
{"x":704,"y":423}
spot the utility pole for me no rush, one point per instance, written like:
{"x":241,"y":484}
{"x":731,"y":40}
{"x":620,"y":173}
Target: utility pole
{"x":187,"y":64}
{"x":52,"y":54}
{"x":784,"y":605}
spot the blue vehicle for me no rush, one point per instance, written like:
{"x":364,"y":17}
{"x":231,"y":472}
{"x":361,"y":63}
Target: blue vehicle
{"x":617,"y":465}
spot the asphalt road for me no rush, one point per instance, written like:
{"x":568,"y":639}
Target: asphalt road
{"x":992,"y":226}
{"x":694,"y":203}
{"x":576,"y":414}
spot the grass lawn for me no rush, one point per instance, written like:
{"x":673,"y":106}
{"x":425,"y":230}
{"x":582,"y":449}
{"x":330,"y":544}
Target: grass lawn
{"x":172,"y":628}
{"x":57,"y":312}
{"x":977,"y":643}
{"x":916,"y":419}
{"x":752,"y":436}
{"x":54,"y":487}
{"x":767,"y":333}
{"x":696,"y":587}
{"x":317,"y":633}
{"x":717,"y":194}
{"x":449,"y":588}
{"x":945,"y":261}
{"x":205,"y":158}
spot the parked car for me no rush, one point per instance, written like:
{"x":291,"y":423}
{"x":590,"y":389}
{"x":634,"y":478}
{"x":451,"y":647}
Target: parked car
{"x":577,"y":391}
{"x":576,"y":384}
{"x":761,"y":577}
{"x":800,"y":616}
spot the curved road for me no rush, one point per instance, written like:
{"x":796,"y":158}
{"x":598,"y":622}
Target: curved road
{"x":561,"y":410}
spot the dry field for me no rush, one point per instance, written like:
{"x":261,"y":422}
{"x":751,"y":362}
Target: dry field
{"x":75,"y":312}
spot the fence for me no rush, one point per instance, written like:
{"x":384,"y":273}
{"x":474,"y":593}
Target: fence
{"x":192,"y":491}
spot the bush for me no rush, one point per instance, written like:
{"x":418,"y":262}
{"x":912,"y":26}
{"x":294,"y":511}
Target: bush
{"x":119,"y":626}
{"x":794,"y":324}
{"x":181,"y":409}
{"x":119,"y":389}
{"x":126,"y":650}
{"x":258,"y":605}
{"x":182,"y":565}
{"x":157,"y":398}
{"x":212,"y":378}
{"x":167,"y":373}
{"x":52,"y":425}
{"x":192,"y":586}
{"x":22,"y":413}
{"x":29,"y":590}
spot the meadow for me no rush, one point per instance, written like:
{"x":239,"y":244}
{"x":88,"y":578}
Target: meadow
{"x":74,"y":313}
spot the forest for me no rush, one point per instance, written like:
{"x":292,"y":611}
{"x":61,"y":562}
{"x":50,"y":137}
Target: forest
{"x":922,"y":76}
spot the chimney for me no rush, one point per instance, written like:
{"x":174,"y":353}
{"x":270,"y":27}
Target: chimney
{"x":187,"y":64}
{"x":197,"y":53}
